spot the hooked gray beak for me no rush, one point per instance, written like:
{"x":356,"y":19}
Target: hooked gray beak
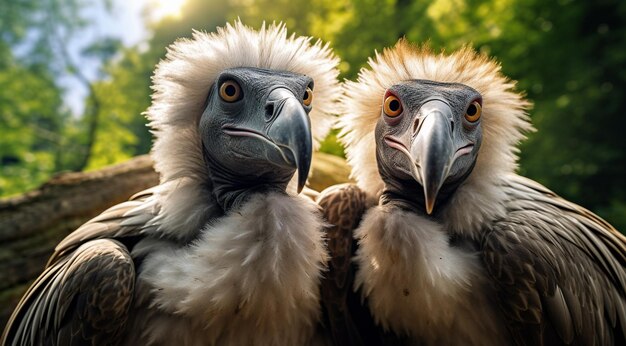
{"x":432,"y":149}
{"x":290,"y":130}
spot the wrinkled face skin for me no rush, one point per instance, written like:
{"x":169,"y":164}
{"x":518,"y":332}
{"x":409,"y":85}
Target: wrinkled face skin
{"x":427,"y":139}
{"x":255,"y":132}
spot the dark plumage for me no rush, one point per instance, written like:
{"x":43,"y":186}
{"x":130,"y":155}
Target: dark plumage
{"x":224,"y":250}
{"x":459,"y":249}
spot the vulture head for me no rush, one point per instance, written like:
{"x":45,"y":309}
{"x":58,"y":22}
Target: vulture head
{"x":234,"y":112}
{"x":256,"y":132}
{"x":433,"y":132}
{"x":427,"y":138}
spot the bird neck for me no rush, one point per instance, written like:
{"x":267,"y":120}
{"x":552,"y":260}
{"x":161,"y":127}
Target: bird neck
{"x":231,"y":190}
{"x":409,"y":195}
{"x":232,"y":197}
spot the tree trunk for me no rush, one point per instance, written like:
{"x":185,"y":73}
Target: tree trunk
{"x":32,"y":224}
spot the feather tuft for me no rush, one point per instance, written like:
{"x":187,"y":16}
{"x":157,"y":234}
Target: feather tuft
{"x":505,"y":121}
{"x":182,"y":81}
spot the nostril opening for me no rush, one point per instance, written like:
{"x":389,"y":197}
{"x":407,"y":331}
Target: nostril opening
{"x":269,"y":110}
{"x":452,"y":126}
{"x":416,"y":125}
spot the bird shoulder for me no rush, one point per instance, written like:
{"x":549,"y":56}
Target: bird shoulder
{"x":558,"y":269}
{"x":83,"y":298}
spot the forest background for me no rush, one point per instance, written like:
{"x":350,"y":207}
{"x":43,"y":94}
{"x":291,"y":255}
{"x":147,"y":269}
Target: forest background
{"x":568,"y":56}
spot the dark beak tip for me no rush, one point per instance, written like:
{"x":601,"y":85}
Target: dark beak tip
{"x":431,"y":191}
{"x":430,"y":205}
{"x":303,"y":175}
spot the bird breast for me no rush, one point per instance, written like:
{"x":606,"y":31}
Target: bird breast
{"x":420,"y":285}
{"x":251,"y":278}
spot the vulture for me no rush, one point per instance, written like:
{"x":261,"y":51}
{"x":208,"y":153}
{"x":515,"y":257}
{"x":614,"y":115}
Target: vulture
{"x":224,"y":250}
{"x":440,"y":242}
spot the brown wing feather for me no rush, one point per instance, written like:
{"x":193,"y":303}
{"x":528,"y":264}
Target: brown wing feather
{"x":342,"y":206}
{"x":122,"y":220}
{"x":346,"y":315}
{"x":558,"y":268}
{"x":81,"y":299}
{"x":89,"y":274}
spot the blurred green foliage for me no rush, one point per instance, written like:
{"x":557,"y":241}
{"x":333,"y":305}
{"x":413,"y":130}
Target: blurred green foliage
{"x":567,"y":55}
{"x":32,"y":116}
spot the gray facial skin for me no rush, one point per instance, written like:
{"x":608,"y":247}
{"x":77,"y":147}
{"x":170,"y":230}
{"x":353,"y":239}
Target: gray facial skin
{"x":256,"y":143}
{"x":428,"y":150}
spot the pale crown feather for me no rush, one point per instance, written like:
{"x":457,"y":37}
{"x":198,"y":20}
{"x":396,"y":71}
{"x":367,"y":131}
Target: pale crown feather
{"x":504,"y":119}
{"x":181,"y":83}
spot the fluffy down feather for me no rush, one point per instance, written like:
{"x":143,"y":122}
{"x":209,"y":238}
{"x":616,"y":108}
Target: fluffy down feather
{"x":181,"y":84}
{"x":255,"y":269}
{"x":203,"y":275}
{"x":504,"y":121}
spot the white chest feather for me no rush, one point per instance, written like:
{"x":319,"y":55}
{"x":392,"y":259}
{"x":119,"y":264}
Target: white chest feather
{"x":251,"y":278}
{"x":417,"y":284}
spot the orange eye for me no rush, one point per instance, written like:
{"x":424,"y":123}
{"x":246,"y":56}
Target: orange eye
{"x":230,"y":91}
{"x":308,"y":97}
{"x":392,"y":106}
{"x":473,"y":112}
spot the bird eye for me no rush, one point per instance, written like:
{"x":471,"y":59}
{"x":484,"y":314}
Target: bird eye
{"x":473,"y":112}
{"x":308,"y":97}
{"x":230,"y":91}
{"x":392,"y":106}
